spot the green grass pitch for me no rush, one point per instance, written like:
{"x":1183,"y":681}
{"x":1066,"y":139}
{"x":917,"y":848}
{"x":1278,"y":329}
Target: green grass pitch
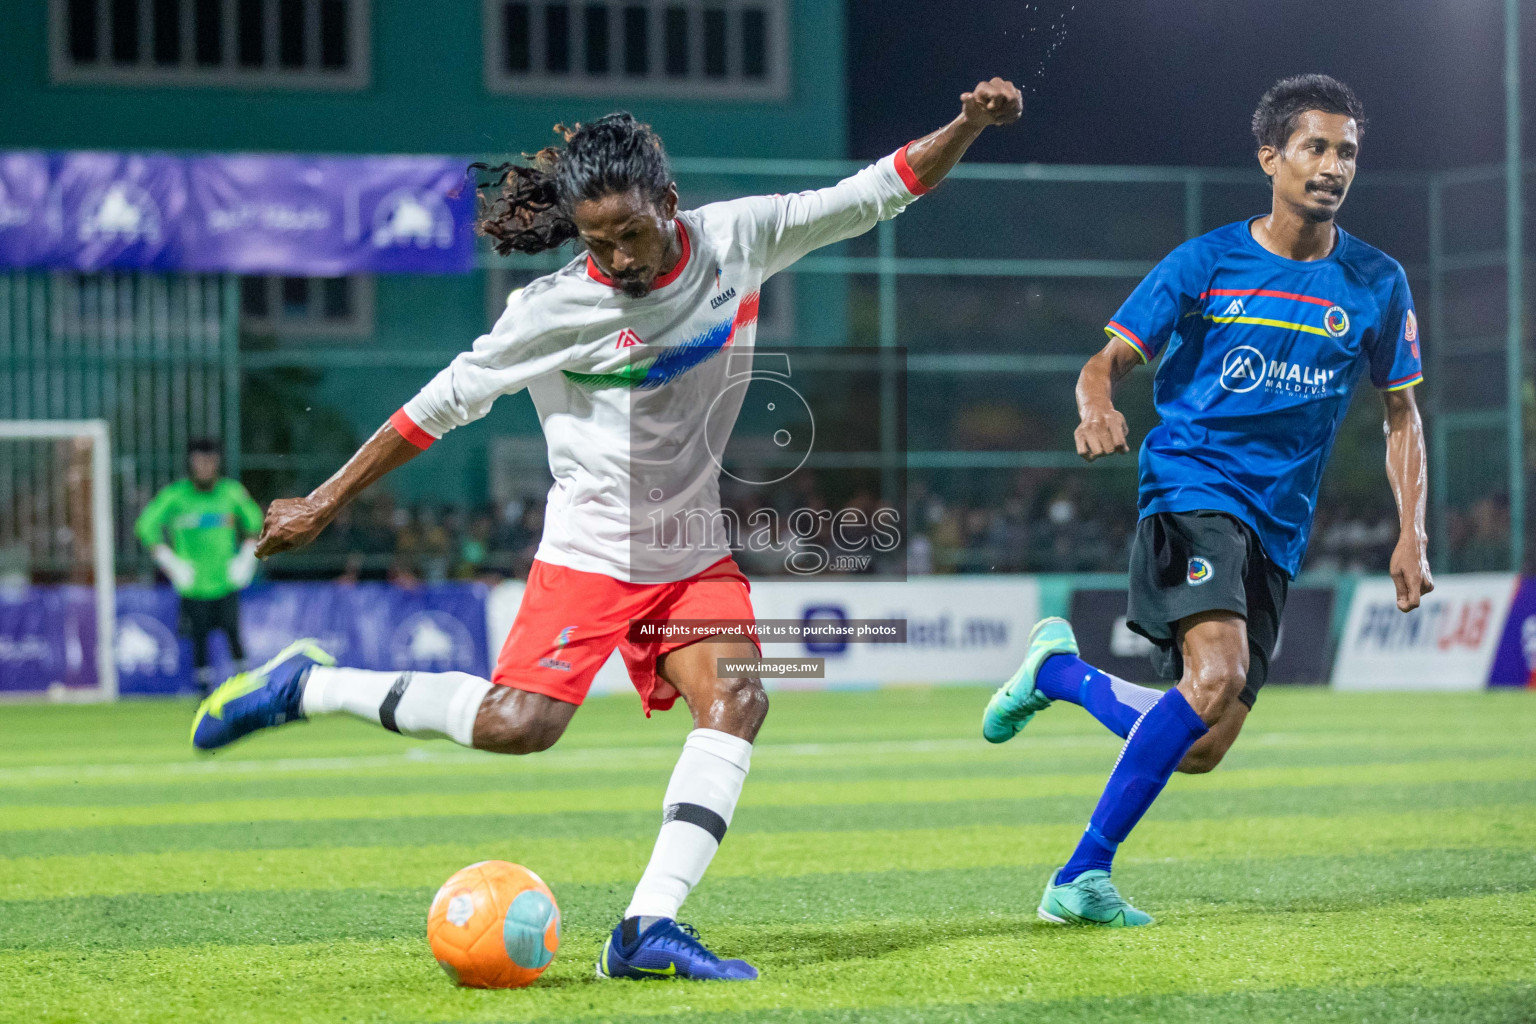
{"x":1357,"y":858}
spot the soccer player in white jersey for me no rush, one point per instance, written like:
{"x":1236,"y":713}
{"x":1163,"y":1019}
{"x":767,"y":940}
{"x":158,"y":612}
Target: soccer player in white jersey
{"x":622,"y":352}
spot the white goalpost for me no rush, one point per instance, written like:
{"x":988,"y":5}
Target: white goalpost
{"x":44,"y":510}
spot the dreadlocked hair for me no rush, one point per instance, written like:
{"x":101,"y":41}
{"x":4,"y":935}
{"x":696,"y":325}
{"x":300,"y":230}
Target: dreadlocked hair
{"x":527,"y":207}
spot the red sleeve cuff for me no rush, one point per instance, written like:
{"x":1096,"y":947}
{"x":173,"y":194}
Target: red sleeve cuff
{"x":909,"y":177}
{"x":408,"y":429}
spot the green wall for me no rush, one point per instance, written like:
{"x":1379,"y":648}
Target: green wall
{"x":427,"y":96}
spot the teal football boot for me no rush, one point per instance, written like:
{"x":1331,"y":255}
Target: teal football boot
{"x":1091,"y":898}
{"x":1017,"y":700}
{"x":268,"y":696}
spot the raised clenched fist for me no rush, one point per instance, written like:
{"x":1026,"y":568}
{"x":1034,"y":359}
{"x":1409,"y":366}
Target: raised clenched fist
{"x":995,"y":101}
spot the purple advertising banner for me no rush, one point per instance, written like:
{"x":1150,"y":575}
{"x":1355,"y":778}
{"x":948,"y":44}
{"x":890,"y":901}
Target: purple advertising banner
{"x":241,"y":214}
{"x":23,"y":196}
{"x":114,"y":211}
{"x":1514,"y":664}
{"x":48,"y":634}
{"x":47,"y":637}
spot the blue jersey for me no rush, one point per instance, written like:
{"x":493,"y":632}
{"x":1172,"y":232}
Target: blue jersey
{"x":1261,"y":355}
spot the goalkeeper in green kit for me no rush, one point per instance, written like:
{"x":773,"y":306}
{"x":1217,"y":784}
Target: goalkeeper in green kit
{"x":202,"y":533}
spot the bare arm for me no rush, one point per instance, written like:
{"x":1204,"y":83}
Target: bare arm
{"x":992,"y":102}
{"x":1101,"y":429}
{"x":1408,"y":472}
{"x":292,"y":523}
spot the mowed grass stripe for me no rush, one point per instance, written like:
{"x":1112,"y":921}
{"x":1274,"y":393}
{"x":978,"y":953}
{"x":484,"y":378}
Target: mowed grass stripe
{"x":618,"y":859}
{"x":150,"y":726}
{"x":502,"y":830}
{"x":808,"y":966}
{"x":107,"y":743}
{"x":1179,"y":889}
{"x":441,"y":771}
{"x":505,"y":800}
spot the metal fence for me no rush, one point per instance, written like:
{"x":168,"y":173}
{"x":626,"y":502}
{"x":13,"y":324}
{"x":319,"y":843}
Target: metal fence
{"x":155,"y":356}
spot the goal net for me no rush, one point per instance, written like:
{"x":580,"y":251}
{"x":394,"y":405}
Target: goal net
{"x":57,"y":568}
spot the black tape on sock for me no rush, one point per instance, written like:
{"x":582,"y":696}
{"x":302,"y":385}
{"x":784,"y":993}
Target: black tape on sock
{"x":694,"y":814}
{"x":392,"y":701}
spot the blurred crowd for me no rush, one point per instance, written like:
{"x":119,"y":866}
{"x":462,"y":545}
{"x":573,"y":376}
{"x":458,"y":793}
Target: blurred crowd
{"x":407,"y":544}
{"x":1479,"y":536}
{"x":1041,"y":523}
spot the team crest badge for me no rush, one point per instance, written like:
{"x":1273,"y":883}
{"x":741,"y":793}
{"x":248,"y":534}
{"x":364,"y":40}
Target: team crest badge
{"x":1336,"y":321}
{"x":1200,"y":571}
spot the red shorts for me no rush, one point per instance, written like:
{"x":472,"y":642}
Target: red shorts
{"x":570,"y":621}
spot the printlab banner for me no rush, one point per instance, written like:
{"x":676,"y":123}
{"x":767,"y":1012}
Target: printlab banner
{"x":240,"y":214}
{"x":47,"y":634}
{"x":1448,"y":643}
{"x":958,"y":630}
{"x":1106,"y":642}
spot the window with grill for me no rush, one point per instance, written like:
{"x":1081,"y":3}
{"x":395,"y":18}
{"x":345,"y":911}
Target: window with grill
{"x":252,"y":43}
{"x":723,"y":49}
{"x":307,"y":307}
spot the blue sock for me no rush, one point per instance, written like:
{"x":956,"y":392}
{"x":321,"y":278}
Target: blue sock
{"x":1156,"y":746}
{"x":1113,"y":701}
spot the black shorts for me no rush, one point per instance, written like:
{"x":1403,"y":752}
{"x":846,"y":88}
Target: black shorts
{"x":1184,"y":563}
{"x":199,"y":618}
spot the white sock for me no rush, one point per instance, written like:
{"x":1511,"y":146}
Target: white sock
{"x":439,"y":705}
{"x":698,"y":806}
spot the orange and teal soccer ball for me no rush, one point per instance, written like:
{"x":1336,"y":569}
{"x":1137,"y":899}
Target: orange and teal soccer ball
{"x":494,"y":925}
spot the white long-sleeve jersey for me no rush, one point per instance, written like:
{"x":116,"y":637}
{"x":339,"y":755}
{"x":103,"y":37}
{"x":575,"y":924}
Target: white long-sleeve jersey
{"x":626,"y":388}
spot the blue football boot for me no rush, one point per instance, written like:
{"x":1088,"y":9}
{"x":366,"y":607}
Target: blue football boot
{"x":666,"y":950}
{"x":1017,"y":700}
{"x":268,"y":696}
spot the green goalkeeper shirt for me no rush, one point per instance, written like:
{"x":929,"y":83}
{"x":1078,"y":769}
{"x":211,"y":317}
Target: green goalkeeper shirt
{"x":205,"y":529}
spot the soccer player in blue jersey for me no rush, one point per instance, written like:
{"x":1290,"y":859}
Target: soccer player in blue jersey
{"x":1265,"y":327}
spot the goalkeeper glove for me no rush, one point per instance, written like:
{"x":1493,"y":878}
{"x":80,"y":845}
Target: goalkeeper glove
{"x":178,"y":570}
{"x":243,"y":568}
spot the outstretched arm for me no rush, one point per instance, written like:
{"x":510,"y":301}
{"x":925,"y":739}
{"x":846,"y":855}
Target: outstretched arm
{"x":292,"y":523}
{"x":1408,"y":472}
{"x":992,"y":102}
{"x":1101,"y":429}
{"x":786,"y":227}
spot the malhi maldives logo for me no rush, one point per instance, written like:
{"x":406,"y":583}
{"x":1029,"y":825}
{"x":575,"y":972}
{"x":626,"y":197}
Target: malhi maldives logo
{"x":1244,"y":369}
